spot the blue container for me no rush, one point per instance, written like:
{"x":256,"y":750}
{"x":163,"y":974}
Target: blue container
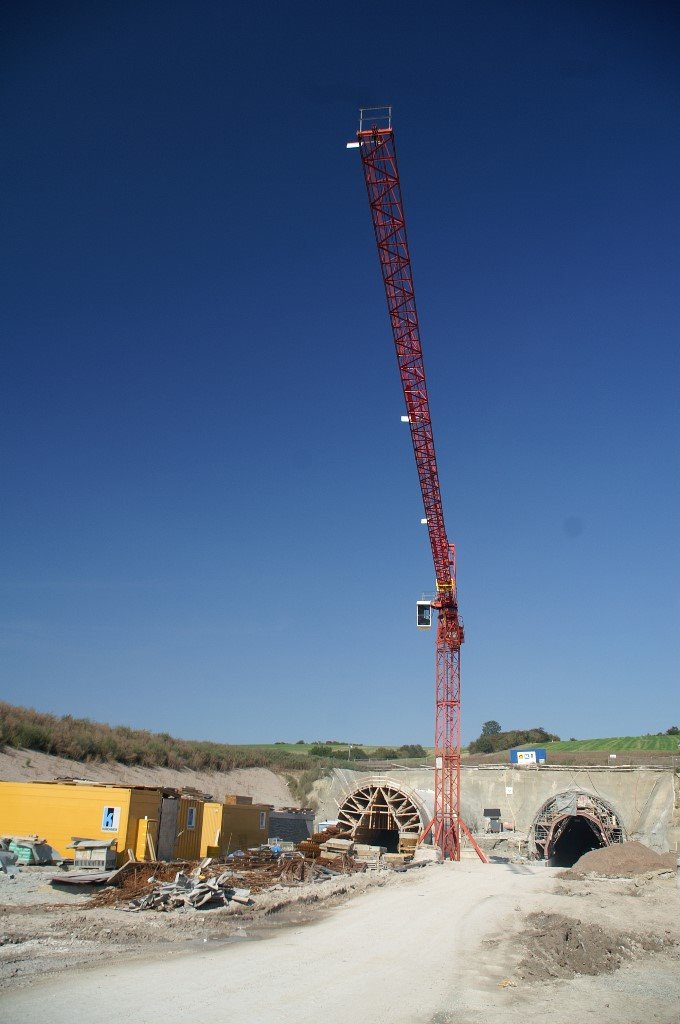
{"x":528,"y":755}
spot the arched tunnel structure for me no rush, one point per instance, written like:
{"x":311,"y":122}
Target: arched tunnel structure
{"x":570,"y":824}
{"x":380,"y":811}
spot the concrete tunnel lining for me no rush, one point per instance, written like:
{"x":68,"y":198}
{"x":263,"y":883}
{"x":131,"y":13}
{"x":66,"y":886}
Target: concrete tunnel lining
{"x":379,"y":809}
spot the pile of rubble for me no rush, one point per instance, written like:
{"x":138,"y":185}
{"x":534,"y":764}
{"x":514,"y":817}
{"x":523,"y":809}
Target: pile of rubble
{"x":299,"y":869}
{"x":165,"y":887}
{"x":620,"y":860}
{"x":193,"y":890}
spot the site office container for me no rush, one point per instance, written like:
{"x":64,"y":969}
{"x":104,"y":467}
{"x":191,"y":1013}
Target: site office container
{"x":58,"y":811}
{"x":189,"y":828}
{"x":528,"y":755}
{"x":237,"y":824}
{"x":244,"y":823}
{"x":211,"y":832}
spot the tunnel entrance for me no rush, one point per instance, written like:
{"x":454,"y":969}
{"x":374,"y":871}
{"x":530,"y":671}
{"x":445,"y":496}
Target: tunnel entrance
{"x":578,"y":837}
{"x":572,"y":823}
{"x":381,"y":814}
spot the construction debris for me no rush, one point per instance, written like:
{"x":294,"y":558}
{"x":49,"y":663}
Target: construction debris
{"x":98,"y":854}
{"x":28,"y":849}
{"x":164,"y":887}
{"x":300,"y":870}
{"x":396,"y":860}
{"x":192,"y":890}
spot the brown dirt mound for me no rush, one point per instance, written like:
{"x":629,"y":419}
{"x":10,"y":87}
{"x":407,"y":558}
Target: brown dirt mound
{"x":624,"y":860}
{"x":562,"y":947}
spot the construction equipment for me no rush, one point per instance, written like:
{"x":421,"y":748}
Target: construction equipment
{"x":376,"y":145}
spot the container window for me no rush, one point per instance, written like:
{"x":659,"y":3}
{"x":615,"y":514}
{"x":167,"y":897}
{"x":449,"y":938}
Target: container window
{"x":191,"y":817}
{"x":263,"y":821}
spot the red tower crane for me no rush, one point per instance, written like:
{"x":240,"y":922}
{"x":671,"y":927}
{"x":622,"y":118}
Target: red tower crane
{"x":375,"y":141}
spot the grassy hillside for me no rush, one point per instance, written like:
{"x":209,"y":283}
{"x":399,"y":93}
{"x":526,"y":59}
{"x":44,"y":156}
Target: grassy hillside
{"x":616,"y":743}
{"x":358,"y":752}
{"x":83,"y":740}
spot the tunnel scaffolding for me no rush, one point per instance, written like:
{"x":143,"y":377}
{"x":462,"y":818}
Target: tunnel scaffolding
{"x":557,"y":813}
{"x":375,"y":811}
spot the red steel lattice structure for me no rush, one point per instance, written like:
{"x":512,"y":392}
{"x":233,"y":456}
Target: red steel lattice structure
{"x":375,"y":141}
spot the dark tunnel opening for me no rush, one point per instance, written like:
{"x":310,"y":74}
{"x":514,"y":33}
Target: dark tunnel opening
{"x":579,"y":836}
{"x":386,"y":837}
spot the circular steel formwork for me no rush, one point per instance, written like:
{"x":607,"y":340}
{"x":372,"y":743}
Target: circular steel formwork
{"x":574,"y":809}
{"x":379,"y":810}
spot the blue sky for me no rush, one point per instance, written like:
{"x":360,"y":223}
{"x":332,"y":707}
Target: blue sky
{"x":211,"y":518}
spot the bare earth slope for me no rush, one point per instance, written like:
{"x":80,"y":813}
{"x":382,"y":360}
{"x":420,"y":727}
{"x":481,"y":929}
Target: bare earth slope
{"x":262,"y":784}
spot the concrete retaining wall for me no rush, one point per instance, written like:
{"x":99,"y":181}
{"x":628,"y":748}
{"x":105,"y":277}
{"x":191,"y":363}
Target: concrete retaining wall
{"x":643,"y":798}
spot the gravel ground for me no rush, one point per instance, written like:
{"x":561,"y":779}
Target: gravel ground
{"x":460,"y":943}
{"x":46,"y":929}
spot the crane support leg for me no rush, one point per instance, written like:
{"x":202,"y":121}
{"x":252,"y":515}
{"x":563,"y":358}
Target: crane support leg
{"x":446,"y":824}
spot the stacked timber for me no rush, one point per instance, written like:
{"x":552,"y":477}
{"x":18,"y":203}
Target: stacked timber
{"x":408,"y":842}
{"x":312,"y":847}
{"x":369,"y":855}
{"x":336,"y":847}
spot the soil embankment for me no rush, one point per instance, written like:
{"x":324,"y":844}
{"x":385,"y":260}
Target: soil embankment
{"x":263,"y":785}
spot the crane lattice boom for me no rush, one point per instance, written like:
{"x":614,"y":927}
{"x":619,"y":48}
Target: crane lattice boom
{"x":376,"y":144}
{"x":381,"y":173}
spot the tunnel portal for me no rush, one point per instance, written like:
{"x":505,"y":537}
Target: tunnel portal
{"x":572,"y":823}
{"x":380,"y":813}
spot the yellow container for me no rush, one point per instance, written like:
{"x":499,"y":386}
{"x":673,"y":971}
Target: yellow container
{"x":189,"y":828}
{"x":60,"y":811}
{"x":233,"y":826}
{"x":211,"y":831}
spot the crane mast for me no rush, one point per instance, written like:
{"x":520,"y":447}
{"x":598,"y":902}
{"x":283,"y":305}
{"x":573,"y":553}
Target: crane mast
{"x":376,"y":144}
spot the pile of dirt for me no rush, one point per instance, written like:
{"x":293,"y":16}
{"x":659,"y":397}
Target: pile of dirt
{"x":562,"y":947}
{"x":624,"y":860}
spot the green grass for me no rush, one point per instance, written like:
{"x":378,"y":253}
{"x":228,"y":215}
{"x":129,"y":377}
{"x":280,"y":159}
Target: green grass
{"x":304,"y":748}
{"x":297,"y":748}
{"x":616,"y":743}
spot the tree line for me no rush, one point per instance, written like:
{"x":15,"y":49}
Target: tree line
{"x":493,"y":738}
{"x":376,"y":754}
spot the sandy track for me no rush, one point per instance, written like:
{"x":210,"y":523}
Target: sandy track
{"x":391,"y":955}
{"x":432,"y":947}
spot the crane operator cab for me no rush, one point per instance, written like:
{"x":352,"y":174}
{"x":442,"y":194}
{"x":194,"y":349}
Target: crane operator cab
{"x":423,"y":614}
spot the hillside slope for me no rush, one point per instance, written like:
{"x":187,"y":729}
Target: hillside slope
{"x":264,"y":785}
{"x":617,"y":743}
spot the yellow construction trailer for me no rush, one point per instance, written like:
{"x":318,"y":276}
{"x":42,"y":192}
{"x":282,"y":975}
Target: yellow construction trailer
{"x":237,"y":824}
{"x":60,"y":811}
{"x":155,"y":824}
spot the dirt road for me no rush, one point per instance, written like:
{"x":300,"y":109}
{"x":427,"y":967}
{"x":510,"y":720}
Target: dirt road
{"x":432,"y":948}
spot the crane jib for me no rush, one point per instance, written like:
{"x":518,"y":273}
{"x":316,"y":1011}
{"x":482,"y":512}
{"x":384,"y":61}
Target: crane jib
{"x":381,"y":174}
